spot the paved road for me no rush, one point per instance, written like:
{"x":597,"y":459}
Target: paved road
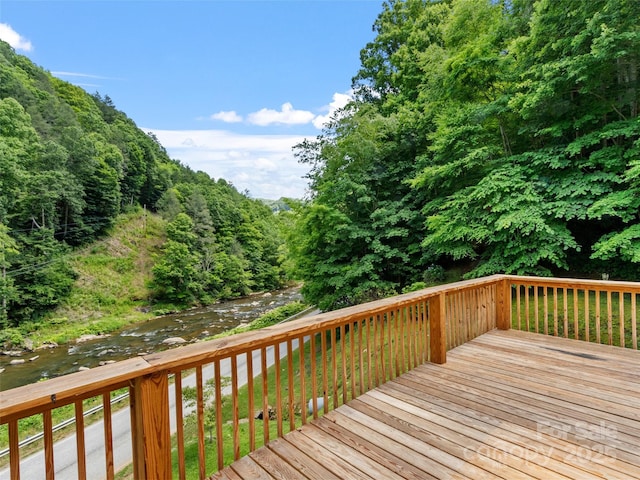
{"x":32,"y":467}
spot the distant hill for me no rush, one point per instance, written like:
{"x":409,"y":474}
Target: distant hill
{"x":71,"y":164}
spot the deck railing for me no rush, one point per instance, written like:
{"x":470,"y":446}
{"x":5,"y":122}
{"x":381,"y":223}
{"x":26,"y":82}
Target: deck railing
{"x":249,"y":388}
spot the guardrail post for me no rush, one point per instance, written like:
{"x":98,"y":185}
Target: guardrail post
{"x":150,"y":431}
{"x":503,"y":307}
{"x":438,"y":329}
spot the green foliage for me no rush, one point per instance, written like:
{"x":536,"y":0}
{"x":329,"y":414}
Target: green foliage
{"x":71,"y":163}
{"x":498,"y":135}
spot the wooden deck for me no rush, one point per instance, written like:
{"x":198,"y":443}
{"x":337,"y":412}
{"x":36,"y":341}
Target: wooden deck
{"x":508,"y":405}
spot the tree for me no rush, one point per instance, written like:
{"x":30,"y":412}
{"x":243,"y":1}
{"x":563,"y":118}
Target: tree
{"x":8,"y":248}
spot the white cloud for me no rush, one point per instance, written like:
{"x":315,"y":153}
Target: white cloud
{"x":262,"y":164}
{"x":339,"y":101}
{"x":286,"y":116}
{"x":14,"y":39}
{"x":227,"y":117}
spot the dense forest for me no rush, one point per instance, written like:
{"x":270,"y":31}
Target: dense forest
{"x":487,"y":136}
{"x":70,"y":163}
{"x":484,"y":137}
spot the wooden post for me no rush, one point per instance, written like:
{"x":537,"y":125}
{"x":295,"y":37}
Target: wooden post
{"x":438,"y":329}
{"x":503,"y":308}
{"x":150,"y":430}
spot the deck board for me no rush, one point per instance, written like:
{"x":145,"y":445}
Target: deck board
{"x":508,"y":404}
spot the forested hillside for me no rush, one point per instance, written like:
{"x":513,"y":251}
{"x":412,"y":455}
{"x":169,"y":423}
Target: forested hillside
{"x":71,"y":163}
{"x":495,"y":136}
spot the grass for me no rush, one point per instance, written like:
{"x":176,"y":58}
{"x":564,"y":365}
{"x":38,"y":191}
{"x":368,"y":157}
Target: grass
{"x":111,"y":289}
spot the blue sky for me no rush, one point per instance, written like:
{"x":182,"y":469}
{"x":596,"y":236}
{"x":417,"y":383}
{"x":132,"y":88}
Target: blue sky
{"x":227,"y":86}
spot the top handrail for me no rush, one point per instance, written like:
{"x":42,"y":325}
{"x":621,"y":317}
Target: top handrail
{"x":80,"y":385}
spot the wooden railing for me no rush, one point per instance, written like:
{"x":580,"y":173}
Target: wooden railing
{"x":591,"y":310}
{"x":249,"y":388}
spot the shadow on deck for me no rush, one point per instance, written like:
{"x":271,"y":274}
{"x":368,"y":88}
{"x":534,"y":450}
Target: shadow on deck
{"x":507,"y":404}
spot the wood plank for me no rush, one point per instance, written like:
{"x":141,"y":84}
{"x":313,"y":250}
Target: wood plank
{"x":246,"y":467}
{"x":509,"y":404}
{"x":303,"y":463}
{"x":427,"y":445}
{"x":347,"y":453}
{"x":503,"y":433}
{"x":417,"y":459}
{"x":554,"y":389}
{"x":329,"y":459}
{"x":380,"y":455}
{"x":533,"y":411}
{"x":593,"y":370}
{"x":276,"y":466}
{"x":459,"y":444}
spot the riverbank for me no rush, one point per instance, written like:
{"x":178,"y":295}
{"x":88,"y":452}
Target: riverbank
{"x":152,"y":335}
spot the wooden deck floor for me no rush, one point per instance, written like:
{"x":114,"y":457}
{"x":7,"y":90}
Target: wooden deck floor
{"x":506,"y":405}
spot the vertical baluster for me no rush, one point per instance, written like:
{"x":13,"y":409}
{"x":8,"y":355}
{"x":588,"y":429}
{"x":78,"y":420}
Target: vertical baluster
{"x":235,"y":409}
{"x":361,"y":366}
{"x":312,"y":373}
{"x":587,"y":316}
{"x":597,"y":292}
{"x":412,"y":335}
{"x":334,"y":367}
{"x":555,"y":311}
{"x":108,"y":435}
{"x":565,"y":311}
{"x":526,"y":307}
{"x":265,"y":388}
{"x":368,"y":334}
{"x":48,"y":445}
{"x":518,"y":307}
{"x":303,"y":378}
{"x":401,"y":343}
{"x":343,"y":354}
{"x":621,"y":318}
{"x":546,"y":310}
{"x":380,"y":348}
{"x":80,"y":444}
{"x":352,"y":358}
{"x":177,"y":384}
{"x":292,"y":400}
{"x":14,"y":450}
{"x":325,"y":373}
{"x":219,"y":419}
{"x":251,"y":403}
{"x":634,"y":322}
{"x":391,"y":321}
{"x":200,"y":421}
{"x":609,"y":318}
{"x":278,"y":379}
{"x":536,"y":303}
{"x":576,"y":327}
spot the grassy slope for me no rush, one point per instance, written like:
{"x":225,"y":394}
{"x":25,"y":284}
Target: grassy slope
{"x":111,"y":289}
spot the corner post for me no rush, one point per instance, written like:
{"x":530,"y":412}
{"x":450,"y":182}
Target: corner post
{"x":438,"y":329}
{"x":503,"y":306}
{"x":151,"y":435}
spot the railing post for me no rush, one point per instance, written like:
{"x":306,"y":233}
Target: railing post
{"x":150,"y":431}
{"x":503,"y":307}
{"x":438,"y":329}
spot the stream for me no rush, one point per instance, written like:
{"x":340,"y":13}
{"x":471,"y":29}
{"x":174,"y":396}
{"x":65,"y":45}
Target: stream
{"x":140,"y":338}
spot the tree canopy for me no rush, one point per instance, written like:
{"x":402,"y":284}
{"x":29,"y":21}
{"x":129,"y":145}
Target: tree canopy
{"x":497,"y":136}
{"x":70,"y":163}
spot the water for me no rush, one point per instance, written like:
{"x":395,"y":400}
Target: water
{"x":140,"y":338}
